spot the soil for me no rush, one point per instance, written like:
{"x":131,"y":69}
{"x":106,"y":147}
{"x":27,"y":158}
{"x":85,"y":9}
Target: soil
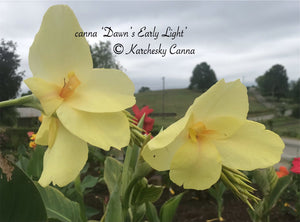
{"x":195,"y":206}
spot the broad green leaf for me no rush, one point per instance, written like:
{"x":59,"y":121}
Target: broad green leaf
{"x":129,"y":166}
{"x":20,"y":199}
{"x":276,"y":192}
{"x":143,"y":192}
{"x":23,"y":163}
{"x":88,"y":182}
{"x":151,"y":212}
{"x":35,"y":165}
{"x":114,"y":206}
{"x":58,"y":206}
{"x":168,"y":210}
{"x":266,"y":179}
{"x":138,"y":212}
{"x":112,"y":172}
{"x":91,"y":211}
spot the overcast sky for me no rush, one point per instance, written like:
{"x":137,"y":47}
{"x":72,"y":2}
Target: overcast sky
{"x":238,"y":39}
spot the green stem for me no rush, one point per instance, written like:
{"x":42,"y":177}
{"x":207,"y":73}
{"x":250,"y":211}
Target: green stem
{"x":29,"y":101}
{"x":77,"y":184}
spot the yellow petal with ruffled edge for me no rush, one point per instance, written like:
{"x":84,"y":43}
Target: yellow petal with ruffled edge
{"x":196,"y":165}
{"x":63,"y":162}
{"x":251,"y":147}
{"x":222,"y":99}
{"x":99,"y":129}
{"x":160,"y":159}
{"x":46,"y":92}
{"x":42,"y":134}
{"x":166,"y":137}
{"x":103,"y":90}
{"x":56,"y":51}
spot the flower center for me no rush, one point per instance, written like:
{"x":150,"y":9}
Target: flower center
{"x":198,"y":131}
{"x":69,"y":86}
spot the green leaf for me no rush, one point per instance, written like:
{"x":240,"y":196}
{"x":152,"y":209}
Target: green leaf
{"x":143,"y":192}
{"x":168,"y":210}
{"x":91,"y":211}
{"x":20,"y":199}
{"x":151,"y":212}
{"x":88,"y":182}
{"x":266,"y":179}
{"x":114,"y":206}
{"x":112,"y":172}
{"x":132,"y":153}
{"x":138,"y":213}
{"x":35,"y":165}
{"x":58,"y":206}
{"x":276,"y":192}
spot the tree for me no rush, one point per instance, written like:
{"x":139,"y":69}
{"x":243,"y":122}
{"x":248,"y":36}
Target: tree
{"x":144,"y":89}
{"x":274,"y":82}
{"x":295,"y":92}
{"x":10,"y":79}
{"x":203,"y":77}
{"x":103,"y":56}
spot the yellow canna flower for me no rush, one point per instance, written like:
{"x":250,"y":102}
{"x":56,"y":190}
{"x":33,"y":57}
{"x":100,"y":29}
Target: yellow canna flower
{"x":81,"y":104}
{"x":213,"y":132}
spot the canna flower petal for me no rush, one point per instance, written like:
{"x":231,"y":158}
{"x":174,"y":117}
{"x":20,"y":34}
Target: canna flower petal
{"x":213,"y":132}
{"x":222,"y":99}
{"x":46,"y":92}
{"x":55,"y":50}
{"x":63,"y":162}
{"x":99,"y":129}
{"x":194,"y":161}
{"x":81,"y":103}
{"x":250,"y":147}
{"x":103,"y":90}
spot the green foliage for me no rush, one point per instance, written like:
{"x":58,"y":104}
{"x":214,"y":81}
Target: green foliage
{"x":168,"y":210}
{"x":151,"y":212}
{"x":296,"y":112}
{"x":10,"y":80}
{"x":217,"y":192}
{"x":20,"y":199}
{"x":35,"y":164}
{"x":272,"y":188}
{"x":58,"y":206}
{"x":143,"y":192}
{"x":274,"y":82}
{"x":112,"y":172}
{"x":144,"y":89}
{"x":203,"y":77}
{"x":103,"y":56}
{"x":295,"y":92}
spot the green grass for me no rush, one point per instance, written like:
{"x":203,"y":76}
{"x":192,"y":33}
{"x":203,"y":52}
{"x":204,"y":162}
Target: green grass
{"x":178,"y":101}
{"x":285,"y":126}
{"x":175,"y":101}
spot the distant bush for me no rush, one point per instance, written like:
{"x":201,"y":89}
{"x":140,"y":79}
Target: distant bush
{"x":296,"y":112}
{"x":13,"y":137}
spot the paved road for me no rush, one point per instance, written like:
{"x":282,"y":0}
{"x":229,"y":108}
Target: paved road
{"x":291,"y":150}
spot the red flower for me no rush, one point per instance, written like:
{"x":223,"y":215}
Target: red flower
{"x":283,"y":171}
{"x":148,"y":122}
{"x":296,"y":165}
{"x":30,"y":133}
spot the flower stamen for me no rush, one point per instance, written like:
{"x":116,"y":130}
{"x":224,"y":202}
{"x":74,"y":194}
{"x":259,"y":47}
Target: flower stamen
{"x":69,"y":86}
{"x":198,"y":131}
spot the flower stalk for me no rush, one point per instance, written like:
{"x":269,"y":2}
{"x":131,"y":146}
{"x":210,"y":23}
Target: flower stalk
{"x":28,"y":101}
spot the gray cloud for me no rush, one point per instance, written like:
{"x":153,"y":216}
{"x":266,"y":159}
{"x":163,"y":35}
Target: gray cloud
{"x":239,"y":39}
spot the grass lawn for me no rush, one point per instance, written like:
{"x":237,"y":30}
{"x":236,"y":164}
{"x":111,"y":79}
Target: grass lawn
{"x":178,"y":101}
{"x":285,"y":126}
